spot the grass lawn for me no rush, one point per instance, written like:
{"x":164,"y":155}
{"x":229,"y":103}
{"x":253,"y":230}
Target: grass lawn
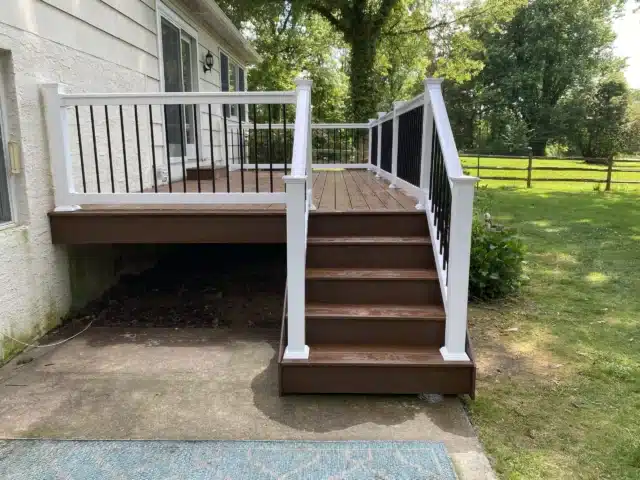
{"x":558,"y":392}
{"x":470,"y":165}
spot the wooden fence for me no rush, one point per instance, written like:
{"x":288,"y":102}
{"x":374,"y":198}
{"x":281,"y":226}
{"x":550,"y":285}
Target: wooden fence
{"x":607,"y":166}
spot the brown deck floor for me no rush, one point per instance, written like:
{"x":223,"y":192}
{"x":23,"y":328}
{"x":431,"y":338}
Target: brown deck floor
{"x":335,"y":190}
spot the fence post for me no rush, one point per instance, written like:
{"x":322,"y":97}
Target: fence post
{"x":380,"y":115}
{"x":394,"y":144}
{"x":530,"y":167}
{"x":462,"y":190}
{"x":59,"y":154}
{"x":427,"y":145}
{"x":296,"y":254}
{"x":609,"y":171}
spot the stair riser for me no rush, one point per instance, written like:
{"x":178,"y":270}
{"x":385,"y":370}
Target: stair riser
{"x":368,"y":225}
{"x":400,"y":379}
{"x":365,"y":331}
{"x":370,"y":256}
{"x":381,"y":292}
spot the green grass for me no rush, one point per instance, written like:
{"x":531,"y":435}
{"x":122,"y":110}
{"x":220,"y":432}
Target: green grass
{"x":470,"y":165}
{"x":558,"y":393}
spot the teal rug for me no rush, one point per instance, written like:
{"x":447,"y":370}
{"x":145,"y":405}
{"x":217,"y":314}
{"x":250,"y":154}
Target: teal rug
{"x":222,"y":460}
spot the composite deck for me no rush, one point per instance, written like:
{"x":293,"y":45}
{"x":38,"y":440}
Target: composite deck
{"x":334,"y":191}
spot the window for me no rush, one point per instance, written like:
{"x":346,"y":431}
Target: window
{"x":5,"y":205}
{"x":179,"y":54}
{"x":231,"y":80}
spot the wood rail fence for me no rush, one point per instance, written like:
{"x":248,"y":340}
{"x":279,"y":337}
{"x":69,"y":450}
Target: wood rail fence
{"x":607,"y":166}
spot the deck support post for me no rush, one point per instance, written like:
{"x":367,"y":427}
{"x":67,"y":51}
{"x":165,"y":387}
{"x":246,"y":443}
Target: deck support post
{"x":394,"y":144}
{"x":427,"y":144}
{"x":296,"y":259}
{"x":379,"y":127}
{"x":59,"y":154}
{"x":462,"y":190}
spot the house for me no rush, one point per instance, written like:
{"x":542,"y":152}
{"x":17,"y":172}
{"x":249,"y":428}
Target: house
{"x":376,"y":216}
{"x":89,"y":46}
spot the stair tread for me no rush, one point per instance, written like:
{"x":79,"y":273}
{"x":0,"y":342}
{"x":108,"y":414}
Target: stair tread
{"x":377,"y":355}
{"x":432,"y":312}
{"x":372,"y":273}
{"x":369,"y":240}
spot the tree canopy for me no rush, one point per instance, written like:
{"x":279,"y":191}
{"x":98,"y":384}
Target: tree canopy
{"x":517,"y":71}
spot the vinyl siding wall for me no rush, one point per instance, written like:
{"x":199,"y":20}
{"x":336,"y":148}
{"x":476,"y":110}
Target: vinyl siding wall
{"x":89,"y":46}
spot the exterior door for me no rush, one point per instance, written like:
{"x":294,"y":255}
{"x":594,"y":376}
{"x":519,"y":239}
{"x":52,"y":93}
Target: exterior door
{"x":177,"y":61}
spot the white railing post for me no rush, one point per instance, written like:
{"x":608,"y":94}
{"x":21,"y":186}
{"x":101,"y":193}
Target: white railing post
{"x":427,"y":145}
{"x":394,"y":144}
{"x":303,"y":89}
{"x":462,"y":189}
{"x":380,"y":115}
{"x":371,"y":127}
{"x":296,"y":254}
{"x":59,"y":153}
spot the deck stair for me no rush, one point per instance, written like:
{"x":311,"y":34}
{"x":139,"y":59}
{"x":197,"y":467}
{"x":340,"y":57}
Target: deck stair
{"x":374,"y":315}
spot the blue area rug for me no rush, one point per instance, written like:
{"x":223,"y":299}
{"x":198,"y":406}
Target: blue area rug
{"x":223,"y":460}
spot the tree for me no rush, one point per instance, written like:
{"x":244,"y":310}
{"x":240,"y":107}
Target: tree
{"x":363,"y":24}
{"x":596,"y":118}
{"x":549,"y":47}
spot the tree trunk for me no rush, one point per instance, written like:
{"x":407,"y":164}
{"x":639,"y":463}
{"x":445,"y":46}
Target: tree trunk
{"x":538,"y":146}
{"x":363,"y":84}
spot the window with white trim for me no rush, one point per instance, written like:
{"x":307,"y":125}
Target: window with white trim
{"x":231,"y":80}
{"x":5,"y":193}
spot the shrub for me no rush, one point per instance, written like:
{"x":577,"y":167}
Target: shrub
{"x":497,"y":257}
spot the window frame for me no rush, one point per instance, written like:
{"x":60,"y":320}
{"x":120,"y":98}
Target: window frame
{"x":232,"y":113}
{"x":7,"y":181}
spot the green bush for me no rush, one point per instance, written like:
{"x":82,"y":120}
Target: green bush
{"x":497,"y":257}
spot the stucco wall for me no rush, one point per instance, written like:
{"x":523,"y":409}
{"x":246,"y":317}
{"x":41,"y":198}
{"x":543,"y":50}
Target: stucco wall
{"x":90,"y":46}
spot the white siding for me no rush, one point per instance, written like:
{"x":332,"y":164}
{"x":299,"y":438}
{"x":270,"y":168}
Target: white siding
{"x":89,"y":46}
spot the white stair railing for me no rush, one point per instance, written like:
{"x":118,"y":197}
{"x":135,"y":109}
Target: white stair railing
{"x":299,"y":196}
{"x":413,"y":148}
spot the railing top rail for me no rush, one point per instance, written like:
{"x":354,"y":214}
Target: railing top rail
{"x":175,"y":98}
{"x":315,"y":126}
{"x":443,"y":127}
{"x":415,"y":102}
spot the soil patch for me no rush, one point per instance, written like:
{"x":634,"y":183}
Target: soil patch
{"x":238,"y":286}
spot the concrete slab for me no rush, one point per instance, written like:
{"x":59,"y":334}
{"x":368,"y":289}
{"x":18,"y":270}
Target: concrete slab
{"x":125,"y":383}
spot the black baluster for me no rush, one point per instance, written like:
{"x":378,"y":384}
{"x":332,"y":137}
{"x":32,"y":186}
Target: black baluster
{"x":124,"y":152}
{"x":226,"y":151}
{"x":166,"y":144}
{"x":255,"y":146}
{"x":153,"y":150}
{"x":241,"y":147}
{"x":95,"y":147}
{"x":106,"y":119}
{"x":284,"y":132}
{"x":84,"y":179}
{"x":270,"y":153}
{"x":213,"y":165}
{"x":196,"y":114}
{"x":135,"y":113}
{"x":182,"y":147}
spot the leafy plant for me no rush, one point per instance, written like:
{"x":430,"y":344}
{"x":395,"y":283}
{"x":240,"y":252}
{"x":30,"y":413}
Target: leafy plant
{"x":497,"y":257}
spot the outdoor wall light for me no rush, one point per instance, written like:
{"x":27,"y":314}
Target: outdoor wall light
{"x":208,"y":62}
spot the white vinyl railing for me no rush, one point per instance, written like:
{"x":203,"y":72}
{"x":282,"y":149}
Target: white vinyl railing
{"x":413,"y":147}
{"x":100,"y":155}
{"x":299,"y":197}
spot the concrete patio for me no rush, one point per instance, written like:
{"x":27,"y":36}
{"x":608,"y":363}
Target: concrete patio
{"x":159,"y":383}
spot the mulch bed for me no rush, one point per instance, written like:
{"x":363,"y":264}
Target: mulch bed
{"x":240,"y":286}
